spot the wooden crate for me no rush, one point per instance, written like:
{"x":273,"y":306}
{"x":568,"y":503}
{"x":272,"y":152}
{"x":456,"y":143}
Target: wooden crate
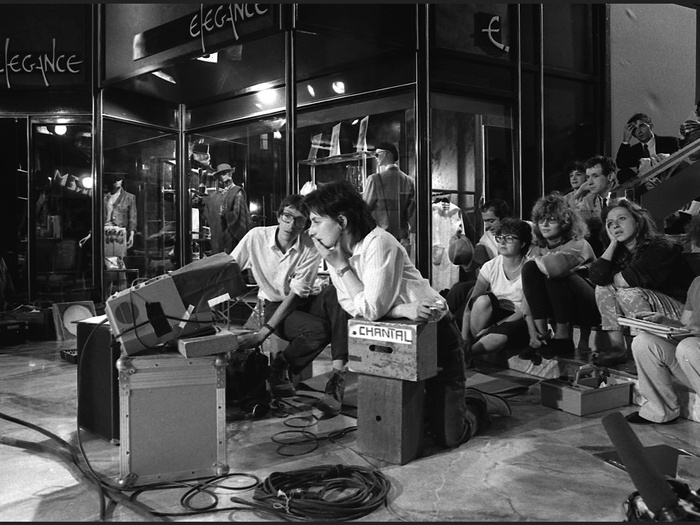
{"x":394,"y":348}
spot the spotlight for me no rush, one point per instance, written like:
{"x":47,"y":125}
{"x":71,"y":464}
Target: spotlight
{"x":338,"y":87}
{"x":311,"y":90}
{"x":60,"y":129}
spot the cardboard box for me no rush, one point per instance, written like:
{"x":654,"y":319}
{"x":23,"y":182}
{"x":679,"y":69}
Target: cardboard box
{"x":172,"y":413}
{"x":585,"y":395}
{"x":394,"y":348}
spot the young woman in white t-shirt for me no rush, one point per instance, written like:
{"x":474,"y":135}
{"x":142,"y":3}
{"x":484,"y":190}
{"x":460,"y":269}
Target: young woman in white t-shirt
{"x":493,"y":319}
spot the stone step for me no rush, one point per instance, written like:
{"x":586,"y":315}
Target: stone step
{"x":567,"y":366}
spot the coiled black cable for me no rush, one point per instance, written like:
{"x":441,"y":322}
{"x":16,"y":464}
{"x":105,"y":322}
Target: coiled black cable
{"x":327,"y":492}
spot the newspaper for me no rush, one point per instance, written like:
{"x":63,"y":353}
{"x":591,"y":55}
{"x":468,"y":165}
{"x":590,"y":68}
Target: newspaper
{"x":662,"y":330}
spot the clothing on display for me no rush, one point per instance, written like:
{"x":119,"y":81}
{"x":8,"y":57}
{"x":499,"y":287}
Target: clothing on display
{"x":447,"y":220}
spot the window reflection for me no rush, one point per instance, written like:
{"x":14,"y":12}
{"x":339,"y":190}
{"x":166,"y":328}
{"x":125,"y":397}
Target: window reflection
{"x":139,"y":204}
{"x":236,"y":179}
{"x":61,"y":202}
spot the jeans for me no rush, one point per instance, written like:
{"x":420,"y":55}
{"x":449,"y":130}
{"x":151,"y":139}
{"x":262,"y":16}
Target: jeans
{"x":317,"y":321}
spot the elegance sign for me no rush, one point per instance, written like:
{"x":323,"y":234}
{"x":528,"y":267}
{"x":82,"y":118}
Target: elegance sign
{"x":209,"y":20}
{"x":33,"y":62}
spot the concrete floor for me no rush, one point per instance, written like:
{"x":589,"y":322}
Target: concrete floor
{"x":537,"y":465}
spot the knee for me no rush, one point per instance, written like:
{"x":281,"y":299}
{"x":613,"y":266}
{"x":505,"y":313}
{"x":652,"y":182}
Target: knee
{"x":688,"y":350}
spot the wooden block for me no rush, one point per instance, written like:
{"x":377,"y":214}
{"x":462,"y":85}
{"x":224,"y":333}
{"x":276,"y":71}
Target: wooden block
{"x":390,"y":418}
{"x":218,"y":343}
{"x":395,"y":348}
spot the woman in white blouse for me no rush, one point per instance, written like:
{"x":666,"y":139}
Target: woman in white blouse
{"x":375,"y":279}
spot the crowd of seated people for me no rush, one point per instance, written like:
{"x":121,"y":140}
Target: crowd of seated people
{"x":635,"y":270}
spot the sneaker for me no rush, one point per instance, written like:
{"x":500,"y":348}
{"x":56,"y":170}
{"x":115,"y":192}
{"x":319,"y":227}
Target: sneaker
{"x":495,"y":405}
{"x":280,"y":384}
{"x":332,"y":400}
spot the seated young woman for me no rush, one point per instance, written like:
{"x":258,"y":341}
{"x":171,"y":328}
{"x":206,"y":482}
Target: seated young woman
{"x":375,"y":279}
{"x":641,"y":270}
{"x":493,"y":319}
{"x":659,"y":360}
{"x":554,"y":282}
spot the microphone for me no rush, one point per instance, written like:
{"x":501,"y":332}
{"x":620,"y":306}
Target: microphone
{"x":647,"y":479}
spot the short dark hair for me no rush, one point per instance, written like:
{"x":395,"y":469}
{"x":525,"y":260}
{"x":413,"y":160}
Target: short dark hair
{"x":574,"y":165}
{"x":640,"y":116}
{"x":521,"y":229}
{"x":499,"y":207}
{"x":388,"y":146}
{"x":341,"y":198}
{"x":293,"y":201}
{"x":607,"y":163}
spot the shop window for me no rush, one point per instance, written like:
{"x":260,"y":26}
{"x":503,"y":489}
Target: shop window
{"x":568,"y":36}
{"x":139,"y":204}
{"x":338,"y":143}
{"x":570,"y":128}
{"x":229,"y":167}
{"x":471,"y":162}
{"x":61,"y":199}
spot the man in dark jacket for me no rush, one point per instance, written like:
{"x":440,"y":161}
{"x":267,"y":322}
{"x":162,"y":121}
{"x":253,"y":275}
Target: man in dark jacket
{"x":648,"y":145}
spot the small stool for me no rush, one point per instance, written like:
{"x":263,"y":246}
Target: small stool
{"x":392,"y":358}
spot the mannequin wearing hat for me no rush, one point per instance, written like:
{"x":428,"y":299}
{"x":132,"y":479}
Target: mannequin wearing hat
{"x":226,"y":211}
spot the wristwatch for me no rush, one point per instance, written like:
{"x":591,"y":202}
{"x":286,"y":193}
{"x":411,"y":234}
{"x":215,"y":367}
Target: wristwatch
{"x":343,"y":270}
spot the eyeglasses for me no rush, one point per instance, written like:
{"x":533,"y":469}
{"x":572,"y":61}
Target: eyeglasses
{"x":542,"y":220}
{"x":299,"y":222}
{"x":510,"y":239}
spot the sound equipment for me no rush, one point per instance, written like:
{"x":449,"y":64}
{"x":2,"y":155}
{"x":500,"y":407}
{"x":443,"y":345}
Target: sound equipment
{"x":13,"y":332}
{"x":652,"y":487}
{"x":98,"y":384}
{"x":149,"y":314}
{"x":173,"y":418}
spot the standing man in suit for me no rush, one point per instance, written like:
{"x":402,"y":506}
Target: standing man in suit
{"x":648,"y":146}
{"x":391,"y":195}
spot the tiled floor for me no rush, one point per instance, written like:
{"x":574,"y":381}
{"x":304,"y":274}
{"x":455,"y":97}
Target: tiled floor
{"x":538,"y":465}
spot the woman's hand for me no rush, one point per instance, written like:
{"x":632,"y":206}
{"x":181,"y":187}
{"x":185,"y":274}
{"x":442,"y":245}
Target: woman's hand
{"x":334,"y":256}
{"x":423,"y":311}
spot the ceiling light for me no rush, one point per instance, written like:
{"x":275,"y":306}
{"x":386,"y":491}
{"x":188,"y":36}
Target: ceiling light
{"x":311,"y":90}
{"x":212,"y":58}
{"x":60,"y":129}
{"x":338,"y":87}
{"x":164,"y":76}
{"x":267,"y":96}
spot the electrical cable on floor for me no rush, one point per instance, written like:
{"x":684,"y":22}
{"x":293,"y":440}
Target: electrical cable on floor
{"x":66,"y":449}
{"x":326,"y":492}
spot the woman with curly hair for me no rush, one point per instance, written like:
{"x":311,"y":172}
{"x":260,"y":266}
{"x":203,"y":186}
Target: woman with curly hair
{"x":640,"y":270}
{"x":554,"y":279}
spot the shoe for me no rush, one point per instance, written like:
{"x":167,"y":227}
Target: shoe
{"x":636,"y":419}
{"x":332,"y":400}
{"x":530,"y":354}
{"x":556,"y":347}
{"x":495,"y":405}
{"x":607,"y":361}
{"x":280,"y":384}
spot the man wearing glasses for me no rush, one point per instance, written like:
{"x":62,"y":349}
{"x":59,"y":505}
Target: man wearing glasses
{"x":284,"y":263}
